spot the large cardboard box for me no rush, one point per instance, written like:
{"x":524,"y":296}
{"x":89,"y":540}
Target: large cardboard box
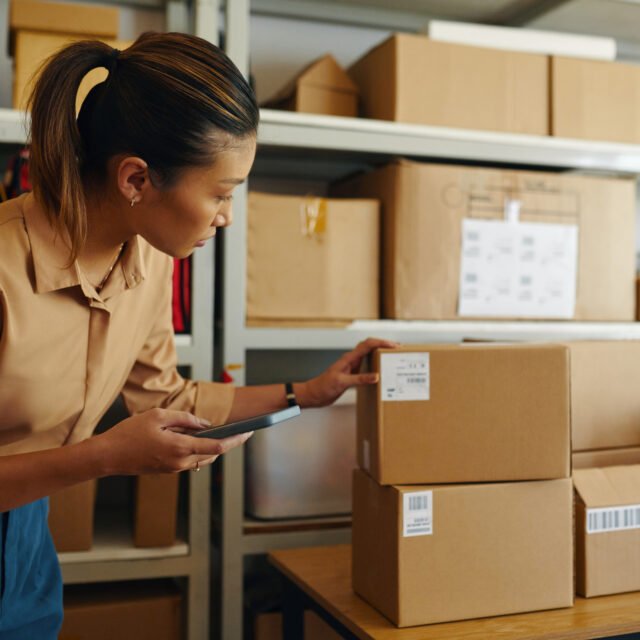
{"x":288,"y":475}
{"x":607,"y":530}
{"x":321,"y":87}
{"x":71,"y":514}
{"x":466,"y":413}
{"x":312,"y":258}
{"x":425,"y":554}
{"x":126,"y":611}
{"x":156,"y":510}
{"x":605,"y":403}
{"x":595,"y":100}
{"x":32,"y":48}
{"x":409,"y":78}
{"x":424,"y":207}
{"x":605,"y":458}
{"x":64,"y":17}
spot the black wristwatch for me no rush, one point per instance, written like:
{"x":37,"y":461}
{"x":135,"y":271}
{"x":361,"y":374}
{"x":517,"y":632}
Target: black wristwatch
{"x":289,"y":394}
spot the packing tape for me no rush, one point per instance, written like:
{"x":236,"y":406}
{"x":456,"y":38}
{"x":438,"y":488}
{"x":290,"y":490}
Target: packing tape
{"x":313,"y":217}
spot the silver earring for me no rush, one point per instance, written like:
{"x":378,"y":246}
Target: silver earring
{"x":133,"y":201}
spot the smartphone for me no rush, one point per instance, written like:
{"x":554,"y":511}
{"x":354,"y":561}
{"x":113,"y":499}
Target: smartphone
{"x":250,"y":424}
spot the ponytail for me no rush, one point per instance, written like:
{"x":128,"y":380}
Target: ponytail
{"x":172,"y":99}
{"x":56,"y":149}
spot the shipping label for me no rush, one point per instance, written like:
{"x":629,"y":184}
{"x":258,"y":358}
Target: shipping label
{"x":404,"y":376}
{"x":605,"y":519}
{"x":417,"y":513}
{"x":518,"y":270}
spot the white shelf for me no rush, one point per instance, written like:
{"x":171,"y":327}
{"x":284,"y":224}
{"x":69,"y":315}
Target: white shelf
{"x":12,"y":126}
{"x":284,"y":129}
{"x":414,"y":332}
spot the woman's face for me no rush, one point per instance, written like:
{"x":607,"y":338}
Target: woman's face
{"x":179,"y":219}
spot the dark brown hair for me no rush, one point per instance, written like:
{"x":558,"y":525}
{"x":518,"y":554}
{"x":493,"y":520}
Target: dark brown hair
{"x":172,"y":99}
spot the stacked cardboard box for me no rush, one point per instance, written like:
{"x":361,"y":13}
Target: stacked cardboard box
{"x":474,"y":242}
{"x":427,"y":548}
{"x":606,"y":461}
{"x":40,"y":28}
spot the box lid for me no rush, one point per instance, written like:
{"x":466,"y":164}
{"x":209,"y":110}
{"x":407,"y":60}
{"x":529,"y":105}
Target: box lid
{"x":608,"y":486}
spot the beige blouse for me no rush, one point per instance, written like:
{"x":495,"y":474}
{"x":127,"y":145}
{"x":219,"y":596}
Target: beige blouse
{"x":66,"y":352}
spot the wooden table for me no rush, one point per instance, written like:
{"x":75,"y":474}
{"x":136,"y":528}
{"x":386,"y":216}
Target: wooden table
{"x":319,"y":578}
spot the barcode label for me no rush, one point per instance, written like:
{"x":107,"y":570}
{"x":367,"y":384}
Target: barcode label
{"x":417,"y":514}
{"x":404,"y":376}
{"x":613,"y":518}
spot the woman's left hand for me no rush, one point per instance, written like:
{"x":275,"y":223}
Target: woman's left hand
{"x":326,"y":388}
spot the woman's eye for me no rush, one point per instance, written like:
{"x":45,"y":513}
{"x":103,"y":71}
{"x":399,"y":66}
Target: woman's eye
{"x":224,"y":198}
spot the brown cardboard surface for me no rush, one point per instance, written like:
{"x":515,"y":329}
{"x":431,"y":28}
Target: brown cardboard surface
{"x":156,"y":510}
{"x":605,"y":458}
{"x":409,"y":78}
{"x":495,"y":549}
{"x":423,"y":206}
{"x":126,"y":611}
{"x":71,"y":517}
{"x":595,"y":100}
{"x":32,"y":48}
{"x":604,"y":394}
{"x":607,"y":561}
{"x":298,"y":270}
{"x":64,"y":17}
{"x":494,"y":413}
{"x":321,"y":87}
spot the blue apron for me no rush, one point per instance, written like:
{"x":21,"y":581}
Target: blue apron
{"x":30,"y":579}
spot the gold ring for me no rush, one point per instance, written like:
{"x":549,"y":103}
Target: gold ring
{"x":197,"y":467}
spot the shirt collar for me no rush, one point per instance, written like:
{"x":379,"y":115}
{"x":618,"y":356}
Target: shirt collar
{"x":50,"y":252}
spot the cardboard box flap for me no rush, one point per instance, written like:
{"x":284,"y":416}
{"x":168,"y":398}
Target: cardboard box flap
{"x":610,"y":486}
{"x":324,"y":72}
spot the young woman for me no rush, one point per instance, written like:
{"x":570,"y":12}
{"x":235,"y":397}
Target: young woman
{"x":144,"y":172}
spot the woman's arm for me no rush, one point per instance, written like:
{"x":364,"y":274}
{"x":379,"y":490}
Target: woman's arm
{"x":151,"y":442}
{"x":317,"y":392}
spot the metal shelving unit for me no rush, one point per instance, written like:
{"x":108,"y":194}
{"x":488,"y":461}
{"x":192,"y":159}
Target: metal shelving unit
{"x":300,"y":144}
{"x":113,"y":556}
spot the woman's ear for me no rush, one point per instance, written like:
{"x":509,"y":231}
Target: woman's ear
{"x":133,"y":178}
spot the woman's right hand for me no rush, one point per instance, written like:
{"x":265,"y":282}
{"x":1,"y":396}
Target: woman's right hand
{"x":158,"y":441}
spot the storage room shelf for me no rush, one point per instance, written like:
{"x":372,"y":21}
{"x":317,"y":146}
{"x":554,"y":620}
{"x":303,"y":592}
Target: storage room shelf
{"x":338,"y":533}
{"x":435,"y":331}
{"x":289,"y":130}
{"x":261,"y":527}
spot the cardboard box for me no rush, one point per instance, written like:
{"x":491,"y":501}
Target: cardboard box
{"x":268,"y":626}
{"x":127,"y":611}
{"x":409,"y":78}
{"x":312,"y":258}
{"x":605,"y":403}
{"x":595,"y":100}
{"x":607,"y":530}
{"x":321,"y":87}
{"x":466,"y":413}
{"x":426,"y":554}
{"x":156,"y":510}
{"x":71,"y":517}
{"x":64,"y":17}
{"x":289,"y":476}
{"x":424,"y":207}
{"x":606,"y":458}
{"x":32,"y":48}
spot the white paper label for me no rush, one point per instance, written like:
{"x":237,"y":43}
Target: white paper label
{"x":404,"y":376}
{"x":366,"y":455}
{"x":417,"y":513}
{"x":607,"y":519}
{"x":518,"y":270}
